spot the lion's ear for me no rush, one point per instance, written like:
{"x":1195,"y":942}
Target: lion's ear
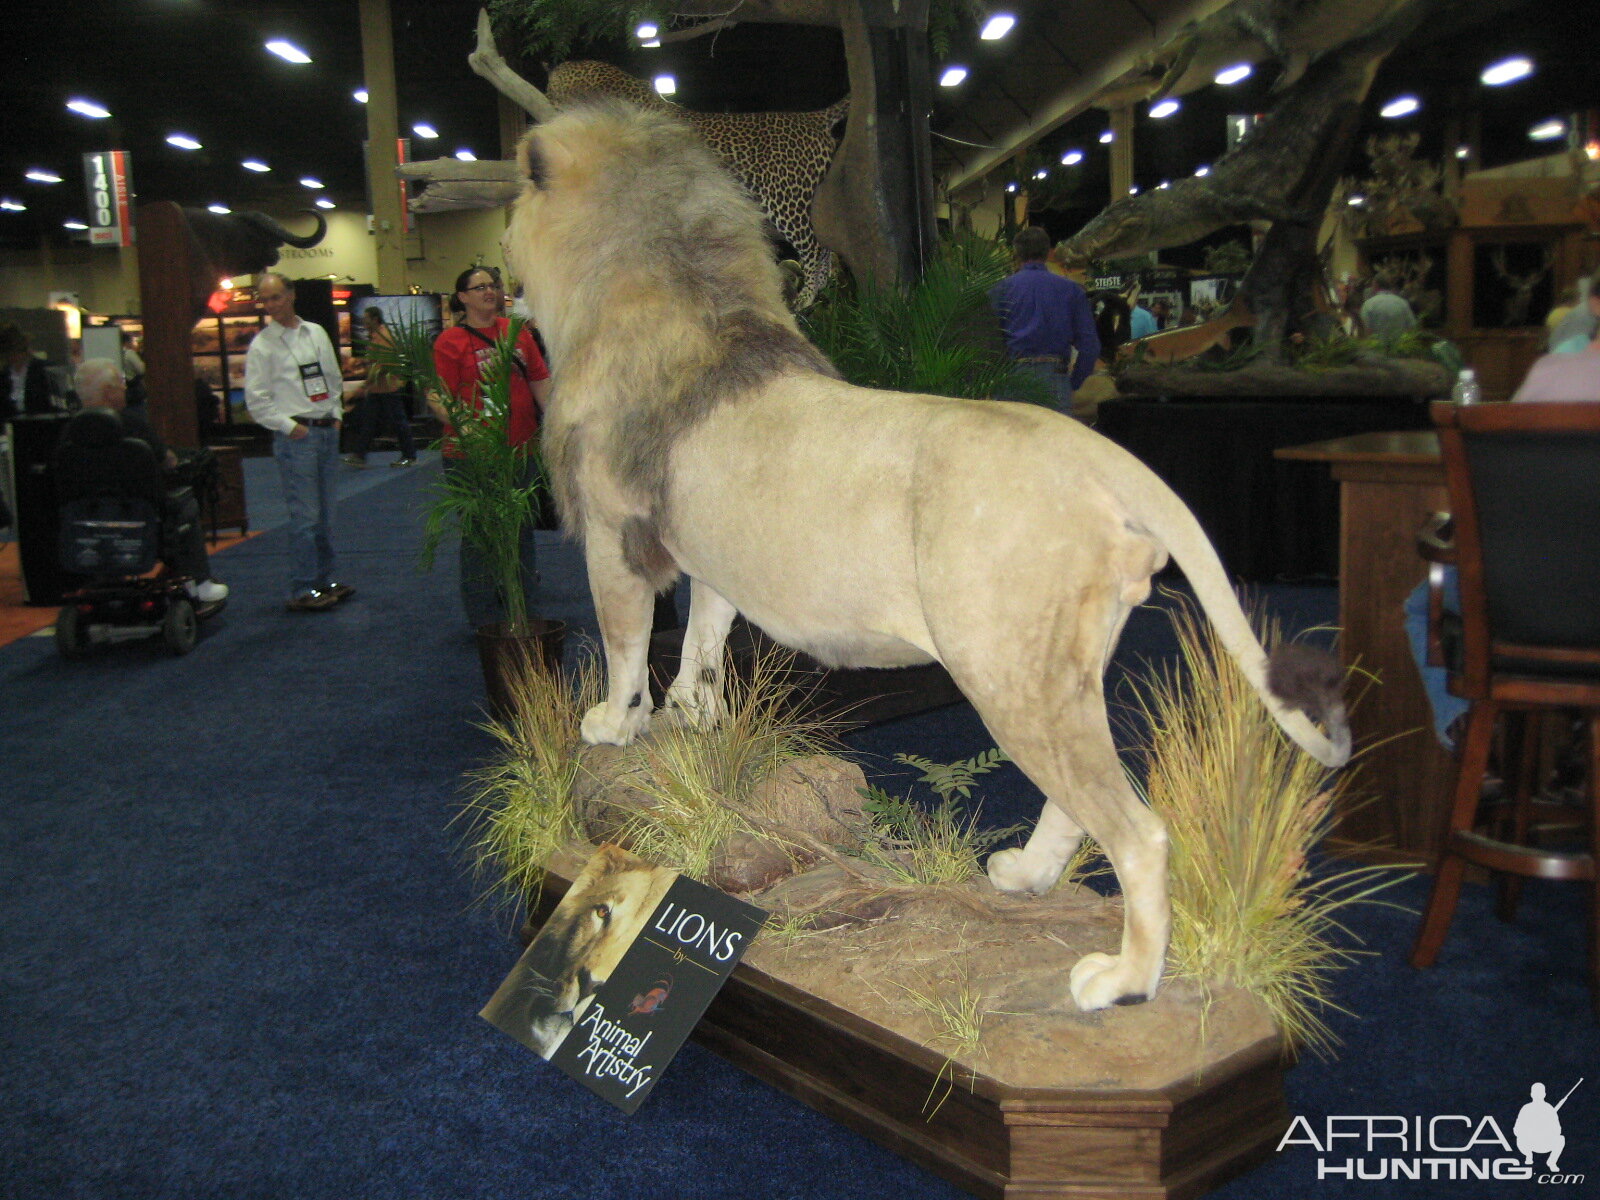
{"x":541,"y":156}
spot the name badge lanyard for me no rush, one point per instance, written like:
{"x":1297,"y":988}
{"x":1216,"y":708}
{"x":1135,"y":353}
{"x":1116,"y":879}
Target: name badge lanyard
{"x":314,"y":382}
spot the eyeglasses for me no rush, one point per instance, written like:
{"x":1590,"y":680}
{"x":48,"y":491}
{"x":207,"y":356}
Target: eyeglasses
{"x":484,"y":287}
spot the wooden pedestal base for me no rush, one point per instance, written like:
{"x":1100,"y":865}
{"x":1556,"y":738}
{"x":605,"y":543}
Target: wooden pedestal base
{"x":990,"y":1138}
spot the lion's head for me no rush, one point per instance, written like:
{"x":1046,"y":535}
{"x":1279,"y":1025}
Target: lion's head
{"x":628,"y":207}
{"x":586,"y":937}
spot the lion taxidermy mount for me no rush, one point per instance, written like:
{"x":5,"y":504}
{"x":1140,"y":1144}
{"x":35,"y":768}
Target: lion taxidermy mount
{"x":693,"y":430}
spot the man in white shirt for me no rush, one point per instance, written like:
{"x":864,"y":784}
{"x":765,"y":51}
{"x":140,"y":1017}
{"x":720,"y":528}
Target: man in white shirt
{"x":292,"y":387}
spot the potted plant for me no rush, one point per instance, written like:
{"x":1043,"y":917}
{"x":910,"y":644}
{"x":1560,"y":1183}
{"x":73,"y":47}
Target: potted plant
{"x":488,"y":496}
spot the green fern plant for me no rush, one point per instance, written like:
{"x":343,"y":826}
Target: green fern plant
{"x":950,"y":780}
{"x":938,"y":336}
{"x":936,"y":845}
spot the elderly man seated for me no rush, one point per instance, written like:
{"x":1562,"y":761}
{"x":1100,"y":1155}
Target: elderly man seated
{"x":100,"y":384}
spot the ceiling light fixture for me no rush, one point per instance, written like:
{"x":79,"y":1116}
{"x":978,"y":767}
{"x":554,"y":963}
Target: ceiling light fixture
{"x":1011,"y":187}
{"x":665,"y":85}
{"x":1463,"y":151}
{"x":40,"y":175}
{"x":88,"y":108}
{"x":288,"y":51}
{"x":651,"y":44}
{"x":1072,"y":158}
{"x":1134,"y":190}
{"x":1506,"y":71}
{"x":75,"y":226}
{"x":1165,"y":108}
{"x":997,"y":26}
{"x":645,"y":32}
{"x":423,"y":130}
{"x":1107,"y":138}
{"x":1165,"y":183}
{"x":952,"y":76}
{"x":1356,"y":201}
{"x":10,"y":205}
{"x":1202,"y":171}
{"x":311,"y":181}
{"x":182,"y":141}
{"x":1548,"y":131}
{"x":360,"y":95}
{"x":321,"y":203}
{"x":466,"y":155}
{"x":256,"y":165}
{"x":1400,"y":106}
{"x":1041,"y":174}
{"x":221,"y":210}
{"x":1229,"y":76}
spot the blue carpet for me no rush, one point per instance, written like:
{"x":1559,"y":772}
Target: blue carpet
{"x":241,"y":954}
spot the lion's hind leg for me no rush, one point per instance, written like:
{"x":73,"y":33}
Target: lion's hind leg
{"x":1036,"y":680}
{"x":1035,"y":867}
{"x":1069,"y":753}
{"x":697,"y":692}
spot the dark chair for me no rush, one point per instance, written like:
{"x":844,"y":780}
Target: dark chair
{"x":114,"y":525}
{"x":1524,"y":485}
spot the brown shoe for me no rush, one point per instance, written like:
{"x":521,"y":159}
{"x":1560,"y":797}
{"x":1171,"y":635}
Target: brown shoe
{"x":313,"y":601}
{"x":339,"y":591}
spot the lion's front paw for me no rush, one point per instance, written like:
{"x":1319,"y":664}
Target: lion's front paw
{"x":1101,"y":980}
{"x":1011,"y":871}
{"x":697,"y":705}
{"x":606,"y":725}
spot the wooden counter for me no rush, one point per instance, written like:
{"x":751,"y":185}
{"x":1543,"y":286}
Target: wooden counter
{"x":1388,"y":485}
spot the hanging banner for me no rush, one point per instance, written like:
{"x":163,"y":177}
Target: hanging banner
{"x":110,"y":181}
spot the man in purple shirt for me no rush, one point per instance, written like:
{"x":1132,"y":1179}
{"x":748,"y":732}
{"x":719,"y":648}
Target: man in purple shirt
{"x":1046,"y":318}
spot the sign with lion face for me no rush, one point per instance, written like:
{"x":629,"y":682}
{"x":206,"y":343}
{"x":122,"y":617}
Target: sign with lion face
{"x":693,"y":430}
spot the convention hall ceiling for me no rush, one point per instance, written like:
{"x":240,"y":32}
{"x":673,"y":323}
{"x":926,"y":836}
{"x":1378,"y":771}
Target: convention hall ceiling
{"x":198,"y":67}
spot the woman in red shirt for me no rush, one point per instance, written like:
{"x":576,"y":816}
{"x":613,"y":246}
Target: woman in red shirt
{"x":460,"y":355}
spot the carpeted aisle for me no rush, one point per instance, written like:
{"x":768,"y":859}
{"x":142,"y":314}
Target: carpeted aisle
{"x":240,"y":954}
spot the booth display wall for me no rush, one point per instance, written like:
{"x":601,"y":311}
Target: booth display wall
{"x":97,"y":275}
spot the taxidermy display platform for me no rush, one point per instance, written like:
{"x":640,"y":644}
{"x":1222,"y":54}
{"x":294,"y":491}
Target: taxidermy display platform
{"x":1165,"y":1099}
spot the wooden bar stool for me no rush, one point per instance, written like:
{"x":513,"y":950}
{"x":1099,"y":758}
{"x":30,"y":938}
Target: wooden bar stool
{"x":1524,"y":484}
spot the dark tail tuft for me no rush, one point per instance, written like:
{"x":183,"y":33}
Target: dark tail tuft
{"x":1308,"y":679}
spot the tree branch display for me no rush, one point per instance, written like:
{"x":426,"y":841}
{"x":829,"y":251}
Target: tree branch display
{"x":1284,"y":172}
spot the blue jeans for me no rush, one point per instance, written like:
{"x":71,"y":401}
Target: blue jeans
{"x":480,"y":591}
{"x":309,"y":469}
{"x":1446,"y":707}
{"x":1058,"y":384}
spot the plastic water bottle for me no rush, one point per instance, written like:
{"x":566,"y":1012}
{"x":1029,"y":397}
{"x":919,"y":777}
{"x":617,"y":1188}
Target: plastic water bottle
{"x":1466,"y":388}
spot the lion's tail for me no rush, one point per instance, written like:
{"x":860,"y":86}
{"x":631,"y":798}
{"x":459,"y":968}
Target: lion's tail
{"x":1299,"y":685}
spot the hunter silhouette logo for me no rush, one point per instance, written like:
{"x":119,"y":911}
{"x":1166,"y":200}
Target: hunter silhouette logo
{"x":1446,"y":1148}
{"x":1538,"y":1127}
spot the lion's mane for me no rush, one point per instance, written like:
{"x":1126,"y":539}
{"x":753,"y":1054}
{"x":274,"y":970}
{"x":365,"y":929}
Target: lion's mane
{"x":654,"y":236}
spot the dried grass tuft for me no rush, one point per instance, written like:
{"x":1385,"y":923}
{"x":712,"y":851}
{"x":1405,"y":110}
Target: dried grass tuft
{"x":1244,"y":808}
{"x":957,"y":1013}
{"x":519,"y":806}
{"x":699,"y":780}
